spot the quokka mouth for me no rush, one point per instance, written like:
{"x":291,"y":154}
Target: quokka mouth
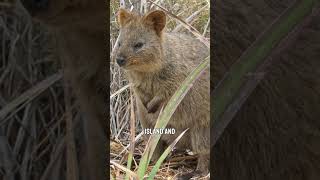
{"x":132,"y":62}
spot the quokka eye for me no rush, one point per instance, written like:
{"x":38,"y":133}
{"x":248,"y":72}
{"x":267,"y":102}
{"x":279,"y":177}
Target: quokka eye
{"x":138,"y":45}
{"x":119,"y":44}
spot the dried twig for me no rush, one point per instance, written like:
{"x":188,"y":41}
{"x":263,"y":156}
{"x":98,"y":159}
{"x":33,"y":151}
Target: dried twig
{"x":30,"y":94}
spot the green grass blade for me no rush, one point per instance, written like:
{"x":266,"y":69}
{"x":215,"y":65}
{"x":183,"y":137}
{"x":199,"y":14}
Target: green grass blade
{"x":133,"y":132}
{"x":164,"y":156}
{"x":228,"y":88}
{"x":130,"y":156}
{"x":119,"y":166}
{"x":168,"y":111}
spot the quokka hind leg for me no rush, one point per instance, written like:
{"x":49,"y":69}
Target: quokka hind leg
{"x":200,"y":144}
{"x":201,"y":171}
{"x":158,"y":151}
{"x":200,"y":141}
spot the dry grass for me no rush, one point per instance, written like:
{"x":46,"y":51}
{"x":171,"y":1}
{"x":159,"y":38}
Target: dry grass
{"x":194,"y":13}
{"x":32,"y":108}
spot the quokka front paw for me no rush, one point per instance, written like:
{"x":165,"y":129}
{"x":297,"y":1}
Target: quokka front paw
{"x":154,"y":105}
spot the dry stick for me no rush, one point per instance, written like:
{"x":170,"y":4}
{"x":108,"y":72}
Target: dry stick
{"x":190,"y":18}
{"x":136,"y":139}
{"x":179,"y":159}
{"x":193,"y":30}
{"x":143,"y":6}
{"x":14,"y":114}
{"x":4,"y":74}
{"x":53,"y":127}
{"x":7,"y":159}
{"x":114,"y":48}
{"x":53,"y":161}
{"x":206,"y":27}
{"x":21,"y":133}
{"x":123,"y":122}
{"x":157,"y":1}
{"x":132,"y":135}
{"x":120,"y":90}
{"x":56,"y":102}
{"x":26,"y":159}
{"x":124,"y":169}
{"x":30,"y":94}
{"x":135,"y":4}
{"x":254,"y":79}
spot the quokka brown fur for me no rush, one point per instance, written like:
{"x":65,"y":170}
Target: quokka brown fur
{"x":156,"y":64}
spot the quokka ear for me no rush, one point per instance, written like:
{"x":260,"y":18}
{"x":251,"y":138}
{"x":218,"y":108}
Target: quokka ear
{"x":124,"y":17}
{"x":156,"y":19}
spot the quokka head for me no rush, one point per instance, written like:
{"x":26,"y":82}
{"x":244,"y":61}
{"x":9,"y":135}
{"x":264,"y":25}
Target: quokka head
{"x":140,"y":41}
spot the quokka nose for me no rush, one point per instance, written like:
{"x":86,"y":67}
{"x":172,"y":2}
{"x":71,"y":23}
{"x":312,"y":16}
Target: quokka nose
{"x":121,"y":61}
